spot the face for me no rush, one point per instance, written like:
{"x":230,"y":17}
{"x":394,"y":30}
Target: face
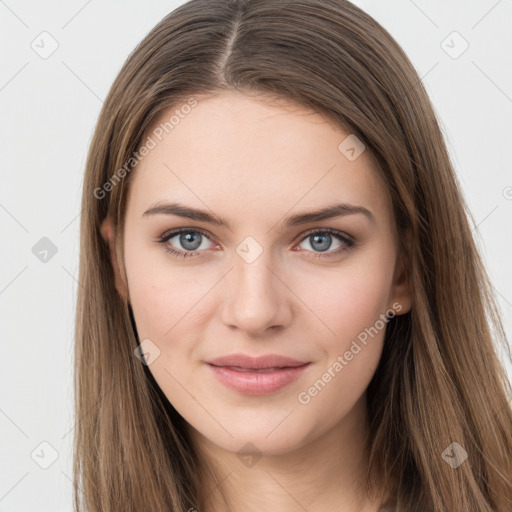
{"x":264,"y":279}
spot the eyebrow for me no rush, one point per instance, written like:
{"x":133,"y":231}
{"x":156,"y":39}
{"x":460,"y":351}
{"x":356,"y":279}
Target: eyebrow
{"x":329,"y":212}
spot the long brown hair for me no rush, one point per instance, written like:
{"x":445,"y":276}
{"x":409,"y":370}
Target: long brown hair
{"x":439,"y":380}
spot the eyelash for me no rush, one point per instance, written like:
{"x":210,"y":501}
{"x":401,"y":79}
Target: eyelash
{"x":349,"y":243}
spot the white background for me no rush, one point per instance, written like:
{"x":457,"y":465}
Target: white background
{"x":48,"y":112}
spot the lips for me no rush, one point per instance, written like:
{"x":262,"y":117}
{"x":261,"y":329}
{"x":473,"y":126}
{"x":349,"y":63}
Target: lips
{"x":256,"y":375}
{"x":244,"y":362}
{"x":255,"y":370}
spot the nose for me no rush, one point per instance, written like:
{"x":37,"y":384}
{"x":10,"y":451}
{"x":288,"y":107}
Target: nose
{"x":256,"y":297}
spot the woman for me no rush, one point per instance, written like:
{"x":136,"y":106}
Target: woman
{"x":282,"y":305}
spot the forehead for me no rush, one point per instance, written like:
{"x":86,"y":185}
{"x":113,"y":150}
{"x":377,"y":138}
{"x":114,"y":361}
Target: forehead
{"x":237,"y":152}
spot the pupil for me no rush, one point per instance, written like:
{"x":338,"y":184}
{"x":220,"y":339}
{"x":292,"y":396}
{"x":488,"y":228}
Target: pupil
{"x":190,"y":241}
{"x":325,"y":245}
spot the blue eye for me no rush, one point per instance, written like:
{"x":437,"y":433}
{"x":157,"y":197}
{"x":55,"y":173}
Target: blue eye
{"x":192,"y":241}
{"x":321,"y":240}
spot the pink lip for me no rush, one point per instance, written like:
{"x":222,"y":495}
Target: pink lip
{"x":256,"y":375}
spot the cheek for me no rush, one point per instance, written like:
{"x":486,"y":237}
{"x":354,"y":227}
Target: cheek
{"x":350,"y":306}
{"x":163,"y":304}
{"x":349,"y":299}
{"x":162,"y":295}
{"x":353,"y":305}
{"x":156,"y":293}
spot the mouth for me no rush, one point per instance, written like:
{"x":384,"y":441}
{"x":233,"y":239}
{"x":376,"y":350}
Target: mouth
{"x":257,"y":370}
{"x":254,"y":363}
{"x":257,"y":381}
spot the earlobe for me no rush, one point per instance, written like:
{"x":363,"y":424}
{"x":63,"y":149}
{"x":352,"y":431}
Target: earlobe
{"x":108,"y":233}
{"x":402,"y":296}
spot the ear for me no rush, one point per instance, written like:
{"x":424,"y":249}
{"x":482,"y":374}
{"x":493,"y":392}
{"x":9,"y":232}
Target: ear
{"x":108,"y":233}
{"x":402,"y":295}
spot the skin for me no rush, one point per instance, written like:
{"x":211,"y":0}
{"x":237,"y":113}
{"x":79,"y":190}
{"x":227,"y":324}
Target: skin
{"x":254,"y":162}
